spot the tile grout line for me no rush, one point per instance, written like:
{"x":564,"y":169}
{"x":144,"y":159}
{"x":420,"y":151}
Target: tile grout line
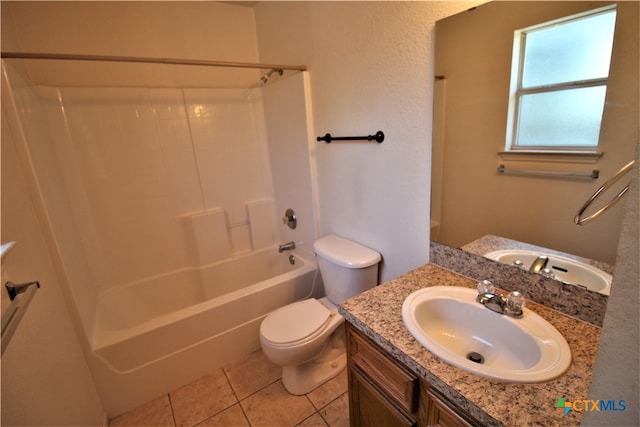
{"x":237,"y":402}
{"x":173,"y":414}
{"x":306,"y":418}
{"x":279,"y":380}
{"x":321,"y":409}
{"x":259,"y":390}
{"x":325,"y":406}
{"x":235,"y":394}
{"x":315,"y":411}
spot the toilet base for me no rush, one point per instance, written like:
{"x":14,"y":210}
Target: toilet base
{"x":301,"y":379}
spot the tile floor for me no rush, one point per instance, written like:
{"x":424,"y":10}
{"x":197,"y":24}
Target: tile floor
{"x":245,"y":393}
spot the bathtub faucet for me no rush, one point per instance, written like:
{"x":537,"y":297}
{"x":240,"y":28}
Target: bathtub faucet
{"x":287,"y":247}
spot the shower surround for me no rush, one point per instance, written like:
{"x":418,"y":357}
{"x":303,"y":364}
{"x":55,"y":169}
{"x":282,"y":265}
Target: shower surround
{"x":144,"y":183}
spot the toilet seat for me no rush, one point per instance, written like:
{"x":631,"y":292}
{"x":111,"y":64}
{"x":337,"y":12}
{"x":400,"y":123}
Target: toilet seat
{"x":295,"y":322}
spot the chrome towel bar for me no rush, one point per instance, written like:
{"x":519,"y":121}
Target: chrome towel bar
{"x":593,"y":175}
{"x":579,"y":220}
{"x":21,"y":296}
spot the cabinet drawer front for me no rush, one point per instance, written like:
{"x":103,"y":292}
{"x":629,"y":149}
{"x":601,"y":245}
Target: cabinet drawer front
{"x":442,"y":415}
{"x":394,"y":380}
{"x":373,"y":408}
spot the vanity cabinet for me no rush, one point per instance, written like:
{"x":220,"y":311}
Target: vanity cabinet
{"x":382,"y":392}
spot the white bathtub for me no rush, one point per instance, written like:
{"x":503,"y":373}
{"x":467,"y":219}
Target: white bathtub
{"x":154,"y":335}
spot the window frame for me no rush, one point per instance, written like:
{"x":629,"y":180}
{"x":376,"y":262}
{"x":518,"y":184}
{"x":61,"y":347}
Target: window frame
{"x":516,"y":91}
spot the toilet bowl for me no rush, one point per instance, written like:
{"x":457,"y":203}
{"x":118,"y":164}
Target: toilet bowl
{"x":306,"y":338}
{"x":300,"y":338}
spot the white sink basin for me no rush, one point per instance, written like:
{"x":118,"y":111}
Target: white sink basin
{"x":564,"y":269}
{"x":449,"y":322}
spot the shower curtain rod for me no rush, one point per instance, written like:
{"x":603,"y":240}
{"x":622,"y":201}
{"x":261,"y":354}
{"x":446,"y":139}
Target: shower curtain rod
{"x":147,"y":60}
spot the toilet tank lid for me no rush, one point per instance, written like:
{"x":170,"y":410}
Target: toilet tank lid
{"x":345,"y":253}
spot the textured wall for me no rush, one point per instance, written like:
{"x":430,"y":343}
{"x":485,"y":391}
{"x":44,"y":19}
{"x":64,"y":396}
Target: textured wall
{"x":184,"y":30}
{"x":616,"y":375}
{"x":370,"y":67}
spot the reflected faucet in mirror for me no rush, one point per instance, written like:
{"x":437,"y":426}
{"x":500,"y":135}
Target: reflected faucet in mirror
{"x":539,"y":264}
{"x":566,"y":268}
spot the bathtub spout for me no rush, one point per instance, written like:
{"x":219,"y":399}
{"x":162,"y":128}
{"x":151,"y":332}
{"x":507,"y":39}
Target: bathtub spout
{"x":287,"y":247}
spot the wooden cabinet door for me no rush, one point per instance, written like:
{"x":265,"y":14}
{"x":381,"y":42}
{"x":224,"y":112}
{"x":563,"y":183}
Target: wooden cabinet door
{"x":392,"y":379}
{"x":383,"y":392}
{"x":369,"y":407}
{"x":440,"y":413}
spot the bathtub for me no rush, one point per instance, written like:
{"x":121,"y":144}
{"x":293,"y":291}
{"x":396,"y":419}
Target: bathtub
{"x":154,"y":335}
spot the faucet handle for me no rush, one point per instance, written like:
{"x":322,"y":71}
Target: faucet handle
{"x":290,"y":219}
{"x":485,"y":287}
{"x":518,"y":263}
{"x":547,"y":272}
{"x":514,"y":303}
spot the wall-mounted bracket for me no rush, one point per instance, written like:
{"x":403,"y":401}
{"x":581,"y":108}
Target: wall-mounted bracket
{"x":13,"y":290}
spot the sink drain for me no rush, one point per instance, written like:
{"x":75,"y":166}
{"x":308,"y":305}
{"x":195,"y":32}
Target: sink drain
{"x":475,"y":357}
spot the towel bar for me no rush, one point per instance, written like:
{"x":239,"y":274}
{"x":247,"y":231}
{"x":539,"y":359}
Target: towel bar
{"x":579,"y":220}
{"x":20,"y":296}
{"x":593,"y":175}
{"x":378,"y":137}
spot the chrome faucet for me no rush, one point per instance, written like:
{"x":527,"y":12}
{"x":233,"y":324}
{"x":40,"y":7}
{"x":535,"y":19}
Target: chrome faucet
{"x":539,"y":264}
{"x":512,"y":305}
{"x":287,"y":246}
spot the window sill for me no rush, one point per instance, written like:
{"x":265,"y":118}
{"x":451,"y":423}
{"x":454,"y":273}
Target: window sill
{"x":586,"y":157}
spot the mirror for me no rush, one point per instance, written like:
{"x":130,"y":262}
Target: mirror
{"x":470,"y":198}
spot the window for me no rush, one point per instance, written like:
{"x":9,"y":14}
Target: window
{"x":559,"y":81}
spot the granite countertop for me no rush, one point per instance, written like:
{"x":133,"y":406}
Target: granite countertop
{"x":378,"y":314}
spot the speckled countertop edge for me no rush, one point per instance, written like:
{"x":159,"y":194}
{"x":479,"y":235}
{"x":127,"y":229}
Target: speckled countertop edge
{"x":378,"y":314}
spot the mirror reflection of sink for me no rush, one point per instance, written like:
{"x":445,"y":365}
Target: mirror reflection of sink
{"x":450,"y":323}
{"x":564,"y":269}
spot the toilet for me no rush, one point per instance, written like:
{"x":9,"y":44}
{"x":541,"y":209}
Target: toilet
{"x":306,"y":337}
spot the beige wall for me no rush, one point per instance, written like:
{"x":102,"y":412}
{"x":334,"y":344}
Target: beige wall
{"x":616,"y":374}
{"x":185,"y":30}
{"x":370,"y":66}
{"x":45,"y":378}
{"x":473,"y":52}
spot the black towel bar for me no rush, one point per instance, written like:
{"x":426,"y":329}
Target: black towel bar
{"x":378,"y":137}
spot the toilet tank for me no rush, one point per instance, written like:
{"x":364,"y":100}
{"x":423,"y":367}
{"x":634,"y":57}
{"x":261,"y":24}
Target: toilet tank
{"x":347,"y":268}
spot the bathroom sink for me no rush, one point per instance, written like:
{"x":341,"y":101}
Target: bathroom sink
{"x":564,"y":269}
{"x":450,"y":323}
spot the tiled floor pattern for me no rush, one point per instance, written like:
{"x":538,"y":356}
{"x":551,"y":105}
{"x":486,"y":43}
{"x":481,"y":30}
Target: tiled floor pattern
{"x":245,"y":393}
